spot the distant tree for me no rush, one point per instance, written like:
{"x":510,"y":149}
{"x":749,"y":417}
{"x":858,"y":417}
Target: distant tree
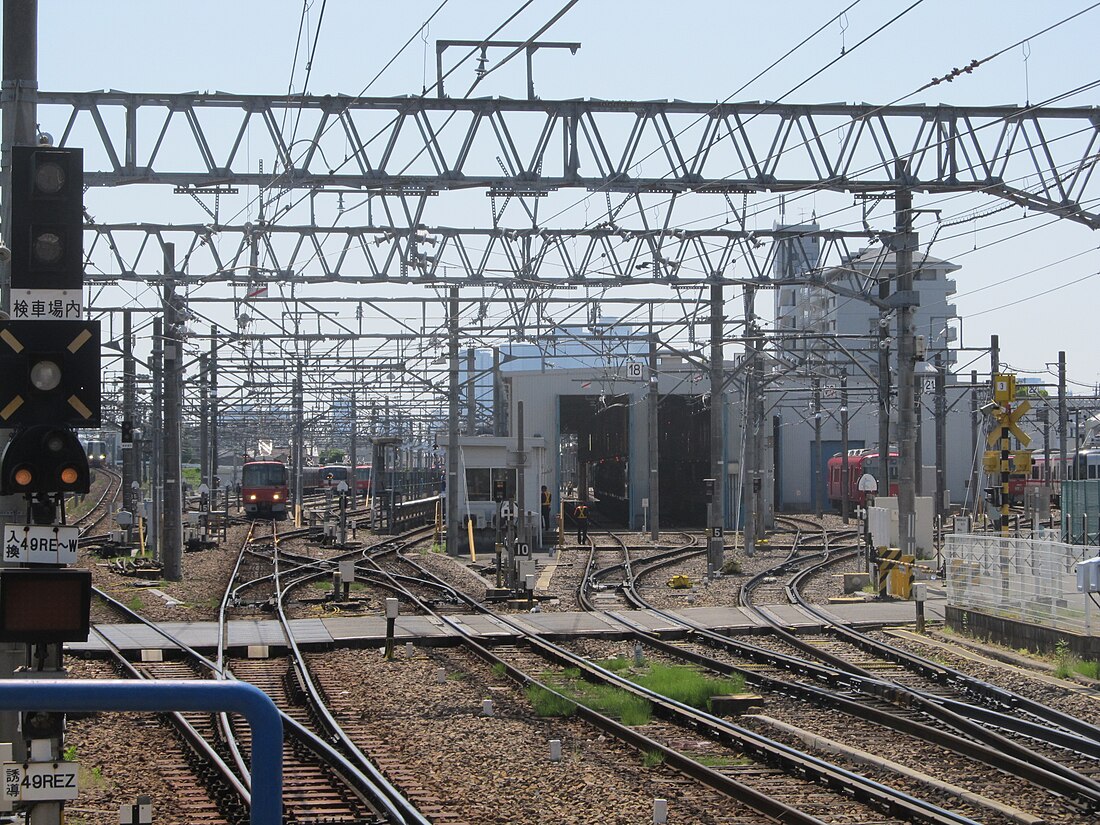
{"x":332,"y":456}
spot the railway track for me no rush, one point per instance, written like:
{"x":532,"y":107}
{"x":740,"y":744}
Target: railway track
{"x":322,"y":783}
{"x":697,"y":723}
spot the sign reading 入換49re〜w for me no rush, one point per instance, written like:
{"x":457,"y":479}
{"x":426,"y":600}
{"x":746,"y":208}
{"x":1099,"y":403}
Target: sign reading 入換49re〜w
{"x":40,"y":544}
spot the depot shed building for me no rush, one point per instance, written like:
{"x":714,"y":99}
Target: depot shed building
{"x":587,"y":435}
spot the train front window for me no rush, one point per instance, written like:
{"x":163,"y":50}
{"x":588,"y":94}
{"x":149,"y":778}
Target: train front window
{"x":263,"y":475}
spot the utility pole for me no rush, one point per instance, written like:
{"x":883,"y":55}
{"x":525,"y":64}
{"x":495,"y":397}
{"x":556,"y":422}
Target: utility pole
{"x":973,"y":493}
{"x":906,"y":302}
{"x":1063,"y":416}
{"x":754,"y":418}
{"x":651,"y":410}
{"x":918,"y":430}
{"x":452,"y":422}
{"x":815,"y":383}
{"x":204,"y":422}
{"x":521,"y":490}
{"x":717,"y":520}
{"x":498,"y":397}
{"x":299,"y":446}
{"x":213,"y":381}
{"x":883,"y":385}
{"x":156,"y":533}
{"x":130,"y":497}
{"x":941,"y":437}
{"x":845,"y":470}
{"x":353,"y":458}
{"x":471,"y":394}
{"x":172,"y":551}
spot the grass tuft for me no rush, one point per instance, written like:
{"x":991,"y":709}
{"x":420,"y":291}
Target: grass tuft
{"x":651,"y":759}
{"x":548,"y":703}
{"x":687,"y":685}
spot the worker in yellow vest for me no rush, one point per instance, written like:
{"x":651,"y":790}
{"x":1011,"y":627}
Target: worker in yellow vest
{"x":546,"y":501}
{"x":580,"y":515}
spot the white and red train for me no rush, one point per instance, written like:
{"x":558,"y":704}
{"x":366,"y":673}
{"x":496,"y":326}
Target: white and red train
{"x":860,"y":462}
{"x":265,"y":489}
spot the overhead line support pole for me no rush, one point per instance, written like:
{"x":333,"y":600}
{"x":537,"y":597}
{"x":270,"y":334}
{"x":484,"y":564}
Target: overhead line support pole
{"x":172,"y":552}
{"x":904,"y":244}
{"x":452,"y":422}
{"x":652,"y":399}
{"x":717,"y":521}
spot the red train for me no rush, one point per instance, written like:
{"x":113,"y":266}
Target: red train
{"x":362,"y":479}
{"x":264,"y":489}
{"x":859,"y":463}
{"x":320,"y":479}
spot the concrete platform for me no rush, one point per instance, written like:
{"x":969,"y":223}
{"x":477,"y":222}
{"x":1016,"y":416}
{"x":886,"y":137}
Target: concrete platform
{"x":371,"y":630}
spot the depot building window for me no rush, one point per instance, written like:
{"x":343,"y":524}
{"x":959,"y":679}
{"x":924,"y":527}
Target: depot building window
{"x":479,"y":482}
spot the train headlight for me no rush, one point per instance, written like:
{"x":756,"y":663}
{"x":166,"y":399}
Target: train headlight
{"x":252,"y":497}
{"x":276,"y":496}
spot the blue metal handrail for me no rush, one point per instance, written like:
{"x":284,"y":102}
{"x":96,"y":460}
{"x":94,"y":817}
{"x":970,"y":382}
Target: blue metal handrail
{"x":173,"y":695}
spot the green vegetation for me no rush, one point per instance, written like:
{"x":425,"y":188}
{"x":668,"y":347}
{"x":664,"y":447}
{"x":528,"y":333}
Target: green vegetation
{"x":687,"y":685}
{"x":731,"y":568}
{"x":332,"y":456}
{"x":679,"y":682}
{"x":723,"y":761}
{"x":192,"y":476}
{"x":1089,"y":669}
{"x":499,"y":670}
{"x":1066,"y":664}
{"x":136,"y":604}
{"x":548,"y":703}
{"x":69,"y":754}
{"x":652,"y":759}
{"x":1063,"y":660}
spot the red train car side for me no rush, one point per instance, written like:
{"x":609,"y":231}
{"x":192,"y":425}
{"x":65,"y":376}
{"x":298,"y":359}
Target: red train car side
{"x":264,"y":488}
{"x":362,"y":479}
{"x":859,"y":463}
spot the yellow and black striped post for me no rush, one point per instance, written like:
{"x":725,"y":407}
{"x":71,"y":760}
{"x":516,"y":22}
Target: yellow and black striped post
{"x":888,"y":557}
{"x":1008,"y":414}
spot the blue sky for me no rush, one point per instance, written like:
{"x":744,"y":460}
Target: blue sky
{"x":1011,"y":283}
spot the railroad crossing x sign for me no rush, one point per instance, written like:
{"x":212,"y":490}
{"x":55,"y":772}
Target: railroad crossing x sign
{"x":1011,"y":419}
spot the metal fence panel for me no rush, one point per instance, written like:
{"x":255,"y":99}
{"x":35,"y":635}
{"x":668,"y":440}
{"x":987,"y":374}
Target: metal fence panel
{"x":1030,"y":579}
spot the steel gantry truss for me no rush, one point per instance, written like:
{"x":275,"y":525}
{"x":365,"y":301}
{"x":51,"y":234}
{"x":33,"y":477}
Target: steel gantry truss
{"x":580,"y":195}
{"x":513,"y":148}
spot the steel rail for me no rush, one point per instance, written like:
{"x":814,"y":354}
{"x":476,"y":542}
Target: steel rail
{"x":999,"y":697}
{"x":793,"y":761}
{"x":1039,"y":769}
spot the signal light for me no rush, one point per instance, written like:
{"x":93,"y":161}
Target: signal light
{"x":50,"y":372}
{"x":47,"y":231}
{"x":44,"y":459}
{"x":41,"y":724}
